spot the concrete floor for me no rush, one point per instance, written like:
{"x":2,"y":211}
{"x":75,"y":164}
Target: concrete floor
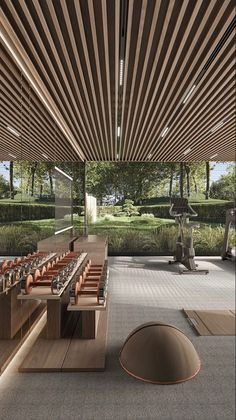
{"x":141,"y":289}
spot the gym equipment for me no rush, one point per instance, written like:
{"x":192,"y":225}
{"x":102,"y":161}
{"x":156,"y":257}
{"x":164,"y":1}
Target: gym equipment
{"x":227,"y":251}
{"x":93,"y":281}
{"x":184,"y":253}
{"x":52,"y":275}
{"x":159,"y":353}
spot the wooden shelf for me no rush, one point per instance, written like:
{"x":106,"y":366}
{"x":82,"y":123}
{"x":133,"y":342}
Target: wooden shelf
{"x":87,"y":303}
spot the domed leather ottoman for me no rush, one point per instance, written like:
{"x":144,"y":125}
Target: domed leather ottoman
{"x":159,"y":353}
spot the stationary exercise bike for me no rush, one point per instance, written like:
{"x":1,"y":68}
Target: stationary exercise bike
{"x":227,"y":251}
{"x":184,"y":252}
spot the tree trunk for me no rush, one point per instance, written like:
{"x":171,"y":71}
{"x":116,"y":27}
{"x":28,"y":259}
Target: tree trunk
{"x":11,"y":180}
{"x":51,"y":182}
{"x":41,"y":191}
{"x":171,"y":182}
{"x":33,"y":170}
{"x":207,"y":194}
{"x":187,"y":170}
{"x":195,"y":185}
{"x":181,"y":180}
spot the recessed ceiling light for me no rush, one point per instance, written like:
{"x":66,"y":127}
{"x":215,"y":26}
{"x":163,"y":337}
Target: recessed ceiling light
{"x":45,"y":156}
{"x":188,"y":94}
{"x":14,"y":157}
{"x":164,"y":131}
{"x":217,"y":126}
{"x":121,"y":71}
{"x":118,"y":131}
{"x":212,"y":157}
{"x":12,"y":130}
{"x":187,"y":151}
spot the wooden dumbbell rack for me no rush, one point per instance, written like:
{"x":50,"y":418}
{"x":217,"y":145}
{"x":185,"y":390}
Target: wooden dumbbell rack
{"x":16,"y":318}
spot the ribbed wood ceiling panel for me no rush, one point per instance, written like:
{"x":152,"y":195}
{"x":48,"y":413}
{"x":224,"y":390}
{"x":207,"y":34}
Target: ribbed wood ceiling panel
{"x":73,"y":48}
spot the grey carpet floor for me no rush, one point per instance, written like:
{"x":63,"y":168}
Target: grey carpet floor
{"x":141,"y":289}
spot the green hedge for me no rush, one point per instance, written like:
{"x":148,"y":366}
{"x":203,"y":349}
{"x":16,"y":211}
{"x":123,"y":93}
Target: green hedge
{"x":17,"y":212}
{"x":207,"y":212}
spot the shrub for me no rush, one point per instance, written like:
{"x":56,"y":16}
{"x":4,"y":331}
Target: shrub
{"x":107,"y":218}
{"x":16,"y":212}
{"x":20,"y":240}
{"x":207,"y":211}
{"x":147,"y":216}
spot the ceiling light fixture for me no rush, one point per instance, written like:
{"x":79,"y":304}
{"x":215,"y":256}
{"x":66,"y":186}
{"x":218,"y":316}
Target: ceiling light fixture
{"x":212,"y":157}
{"x":189,"y":94}
{"x":149,"y":156}
{"x":121,"y":71}
{"x":164,"y":131}
{"x":118,"y":131}
{"x":187,"y":151}
{"x":14,"y":157}
{"x":45,"y":156}
{"x":217,"y":126}
{"x":12,"y":130}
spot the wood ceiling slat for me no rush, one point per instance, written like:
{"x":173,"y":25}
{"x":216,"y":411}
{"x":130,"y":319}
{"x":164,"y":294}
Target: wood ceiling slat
{"x":79,"y":74}
{"x":30,"y":138}
{"x":85,"y":32}
{"x":8,"y":30}
{"x":199,"y":139}
{"x":173,"y":26}
{"x":206,"y":87}
{"x":157,"y":114}
{"x":71,"y":85}
{"x":16,"y":95}
{"x":197,"y":105}
{"x":71,"y":50}
{"x":42,"y":52}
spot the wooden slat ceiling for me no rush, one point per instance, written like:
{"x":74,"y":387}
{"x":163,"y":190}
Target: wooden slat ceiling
{"x":74,"y":98}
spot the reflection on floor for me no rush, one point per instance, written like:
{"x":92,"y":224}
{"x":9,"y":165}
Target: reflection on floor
{"x":141,"y":289}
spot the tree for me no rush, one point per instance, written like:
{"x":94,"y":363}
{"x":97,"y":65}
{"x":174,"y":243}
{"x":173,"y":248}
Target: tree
{"x":11,"y":184}
{"x":128,"y":209}
{"x":207,"y":193}
{"x":187,"y":168}
{"x":224,"y":188}
{"x":4,"y":187}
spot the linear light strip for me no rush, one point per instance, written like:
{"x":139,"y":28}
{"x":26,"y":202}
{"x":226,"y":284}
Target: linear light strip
{"x":164,"y":131}
{"x":121,"y":72}
{"x":189,"y":94}
{"x":12,"y":130}
{"x":14,"y":157}
{"x":39,"y":94}
{"x":63,"y":173}
{"x":63,"y":230}
{"x":187,"y":151}
{"x":217,"y":126}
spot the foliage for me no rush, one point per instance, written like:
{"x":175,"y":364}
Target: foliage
{"x":224,"y":188}
{"x":211,"y":211}
{"x":4,"y":187}
{"x":15,"y":212}
{"x":20,"y":240}
{"x":128,"y":209}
